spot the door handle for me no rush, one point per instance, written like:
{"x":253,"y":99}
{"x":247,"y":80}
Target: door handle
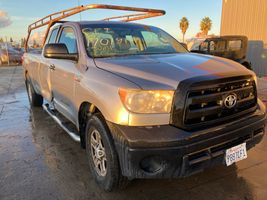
{"x":52,"y":67}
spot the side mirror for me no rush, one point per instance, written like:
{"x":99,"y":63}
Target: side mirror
{"x":58,"y":51}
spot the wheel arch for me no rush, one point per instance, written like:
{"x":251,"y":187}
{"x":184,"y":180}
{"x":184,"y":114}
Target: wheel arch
{"x":86,"y":109}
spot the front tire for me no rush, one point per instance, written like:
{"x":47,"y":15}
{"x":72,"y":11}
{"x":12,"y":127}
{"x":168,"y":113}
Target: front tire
{"x":35,"y":99}
{"x":102,"y":156}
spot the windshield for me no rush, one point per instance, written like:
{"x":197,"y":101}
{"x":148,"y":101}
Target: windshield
{"x":108,"y":40}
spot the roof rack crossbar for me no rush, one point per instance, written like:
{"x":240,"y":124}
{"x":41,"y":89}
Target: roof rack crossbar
{"x":51,"y":19}
{"x":133,"y":17}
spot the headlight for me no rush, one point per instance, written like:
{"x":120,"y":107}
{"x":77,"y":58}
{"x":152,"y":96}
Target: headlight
{"x":147,"y":101}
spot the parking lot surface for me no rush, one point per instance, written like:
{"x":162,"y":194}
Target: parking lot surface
{"x":38,"y":160}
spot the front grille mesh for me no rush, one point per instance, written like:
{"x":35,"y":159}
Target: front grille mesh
{"x":205,"y":103}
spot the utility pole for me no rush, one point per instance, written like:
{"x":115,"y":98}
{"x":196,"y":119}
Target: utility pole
{"x":7,"y":53}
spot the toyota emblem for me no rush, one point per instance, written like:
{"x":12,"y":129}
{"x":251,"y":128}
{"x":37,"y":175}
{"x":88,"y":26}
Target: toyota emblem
{"x":230,"y":101}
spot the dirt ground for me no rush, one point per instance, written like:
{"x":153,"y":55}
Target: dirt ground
{"x":38,"y":160}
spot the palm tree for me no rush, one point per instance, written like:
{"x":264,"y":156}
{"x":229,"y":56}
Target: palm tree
{"x":205,"y":25}
{"x":184,"y":24}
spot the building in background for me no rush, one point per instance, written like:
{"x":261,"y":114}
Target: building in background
{"x":248,"y":17}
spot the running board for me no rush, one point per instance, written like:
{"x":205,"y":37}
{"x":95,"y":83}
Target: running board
{"x":61,"y":123}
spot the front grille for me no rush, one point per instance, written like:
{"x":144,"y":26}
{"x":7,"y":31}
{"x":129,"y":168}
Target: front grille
{"x":200,"y":103}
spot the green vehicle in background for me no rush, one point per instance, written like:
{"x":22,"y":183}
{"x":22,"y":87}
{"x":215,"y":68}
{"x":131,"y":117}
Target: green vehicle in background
{"x":233,"y":47}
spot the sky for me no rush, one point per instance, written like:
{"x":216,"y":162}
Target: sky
{"x":16,"y":15}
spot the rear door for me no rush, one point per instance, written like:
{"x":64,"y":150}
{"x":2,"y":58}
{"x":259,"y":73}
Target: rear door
{"x":63,"y":75}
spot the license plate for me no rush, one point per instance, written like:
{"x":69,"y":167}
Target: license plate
{"x":236,"y":154}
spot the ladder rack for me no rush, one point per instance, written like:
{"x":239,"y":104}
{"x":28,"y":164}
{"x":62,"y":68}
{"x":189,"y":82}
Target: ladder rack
{"x":51,"y":19}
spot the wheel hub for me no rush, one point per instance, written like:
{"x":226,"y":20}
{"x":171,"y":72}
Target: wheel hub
{"x":99,"y":153}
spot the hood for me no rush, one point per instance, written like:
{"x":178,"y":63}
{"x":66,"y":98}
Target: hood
{"x":165,"y":71}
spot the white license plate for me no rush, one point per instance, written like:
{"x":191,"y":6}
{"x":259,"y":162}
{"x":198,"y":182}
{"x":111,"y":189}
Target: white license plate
{"x":236,"y":154}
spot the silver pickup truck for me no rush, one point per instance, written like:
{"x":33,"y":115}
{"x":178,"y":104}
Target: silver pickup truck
{"x":140,"y":104}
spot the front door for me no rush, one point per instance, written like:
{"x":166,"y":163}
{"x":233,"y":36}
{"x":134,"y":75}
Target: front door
{"x":63,"y":73}
{"x":44,"y":69}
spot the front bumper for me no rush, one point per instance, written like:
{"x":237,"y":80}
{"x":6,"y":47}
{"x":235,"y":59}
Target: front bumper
{"x":169,"y":152}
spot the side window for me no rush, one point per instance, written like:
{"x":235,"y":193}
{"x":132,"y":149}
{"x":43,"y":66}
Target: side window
{"x":220,"y":46}
{"x":68,"y":38}
{"x":234,"y":45}
{"x":204,"y":46}
{"x":53,"y":36}
{"x":217,"y":46}
{"x":212,"y":46}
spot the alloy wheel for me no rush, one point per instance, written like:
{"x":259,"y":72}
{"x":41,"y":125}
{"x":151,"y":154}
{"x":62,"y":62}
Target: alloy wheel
{"x":98,"y":153}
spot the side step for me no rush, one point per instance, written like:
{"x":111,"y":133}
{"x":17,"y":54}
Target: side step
{"x":63,"y":123}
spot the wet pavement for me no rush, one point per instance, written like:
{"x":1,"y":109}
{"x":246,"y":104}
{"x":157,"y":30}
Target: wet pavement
{"x":38,"y":160}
